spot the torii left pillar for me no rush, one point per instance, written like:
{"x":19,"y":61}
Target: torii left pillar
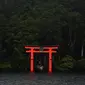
{"x":32,"y":60}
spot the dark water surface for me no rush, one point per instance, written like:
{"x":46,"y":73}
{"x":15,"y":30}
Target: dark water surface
{"x":41,"y":79}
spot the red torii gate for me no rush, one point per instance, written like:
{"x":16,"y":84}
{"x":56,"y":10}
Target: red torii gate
{"x":36,"y":49}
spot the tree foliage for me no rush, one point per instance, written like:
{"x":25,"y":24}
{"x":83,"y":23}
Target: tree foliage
{"x":42,"y":22}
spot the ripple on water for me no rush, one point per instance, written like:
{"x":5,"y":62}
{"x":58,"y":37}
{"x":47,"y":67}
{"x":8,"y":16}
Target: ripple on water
{"x":41,"y":79}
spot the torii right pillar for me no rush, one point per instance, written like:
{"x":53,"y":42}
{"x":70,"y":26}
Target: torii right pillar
{"x":50,"y":60}
{"x":50,"y":51}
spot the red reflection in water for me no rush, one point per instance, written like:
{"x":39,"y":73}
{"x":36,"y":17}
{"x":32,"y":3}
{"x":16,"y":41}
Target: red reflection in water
{"x":32,"y":76}
{"x":49,"y":74}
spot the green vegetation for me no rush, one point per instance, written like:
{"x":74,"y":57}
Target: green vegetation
{"x":66,"y":63}
{"x":5,"y":65}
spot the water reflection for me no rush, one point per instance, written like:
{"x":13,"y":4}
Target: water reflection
{"x":32,"y":76}
{"x":41,"y":79}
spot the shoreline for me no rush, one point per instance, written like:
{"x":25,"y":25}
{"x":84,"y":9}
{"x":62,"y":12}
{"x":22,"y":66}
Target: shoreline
{"x":10,"y":70}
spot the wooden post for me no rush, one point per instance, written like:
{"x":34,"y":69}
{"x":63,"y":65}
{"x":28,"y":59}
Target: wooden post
{"x":50,"y":60}
{"x":32,"y":60}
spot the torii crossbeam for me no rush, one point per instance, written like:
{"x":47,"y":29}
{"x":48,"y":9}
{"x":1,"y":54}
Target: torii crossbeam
{"x":36,"y":49}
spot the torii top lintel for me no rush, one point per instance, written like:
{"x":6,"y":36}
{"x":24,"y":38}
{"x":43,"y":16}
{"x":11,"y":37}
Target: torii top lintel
{"x":46,"y":49}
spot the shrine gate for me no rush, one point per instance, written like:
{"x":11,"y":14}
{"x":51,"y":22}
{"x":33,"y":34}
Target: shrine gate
{"x":36,"y":49}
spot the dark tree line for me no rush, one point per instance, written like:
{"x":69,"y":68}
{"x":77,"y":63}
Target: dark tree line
{"x":42,"y":22}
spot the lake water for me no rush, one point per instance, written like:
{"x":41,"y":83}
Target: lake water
{"x":41,"y":79}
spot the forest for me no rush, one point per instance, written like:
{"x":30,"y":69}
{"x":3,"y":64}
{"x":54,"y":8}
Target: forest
{"x":42,"y":22}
